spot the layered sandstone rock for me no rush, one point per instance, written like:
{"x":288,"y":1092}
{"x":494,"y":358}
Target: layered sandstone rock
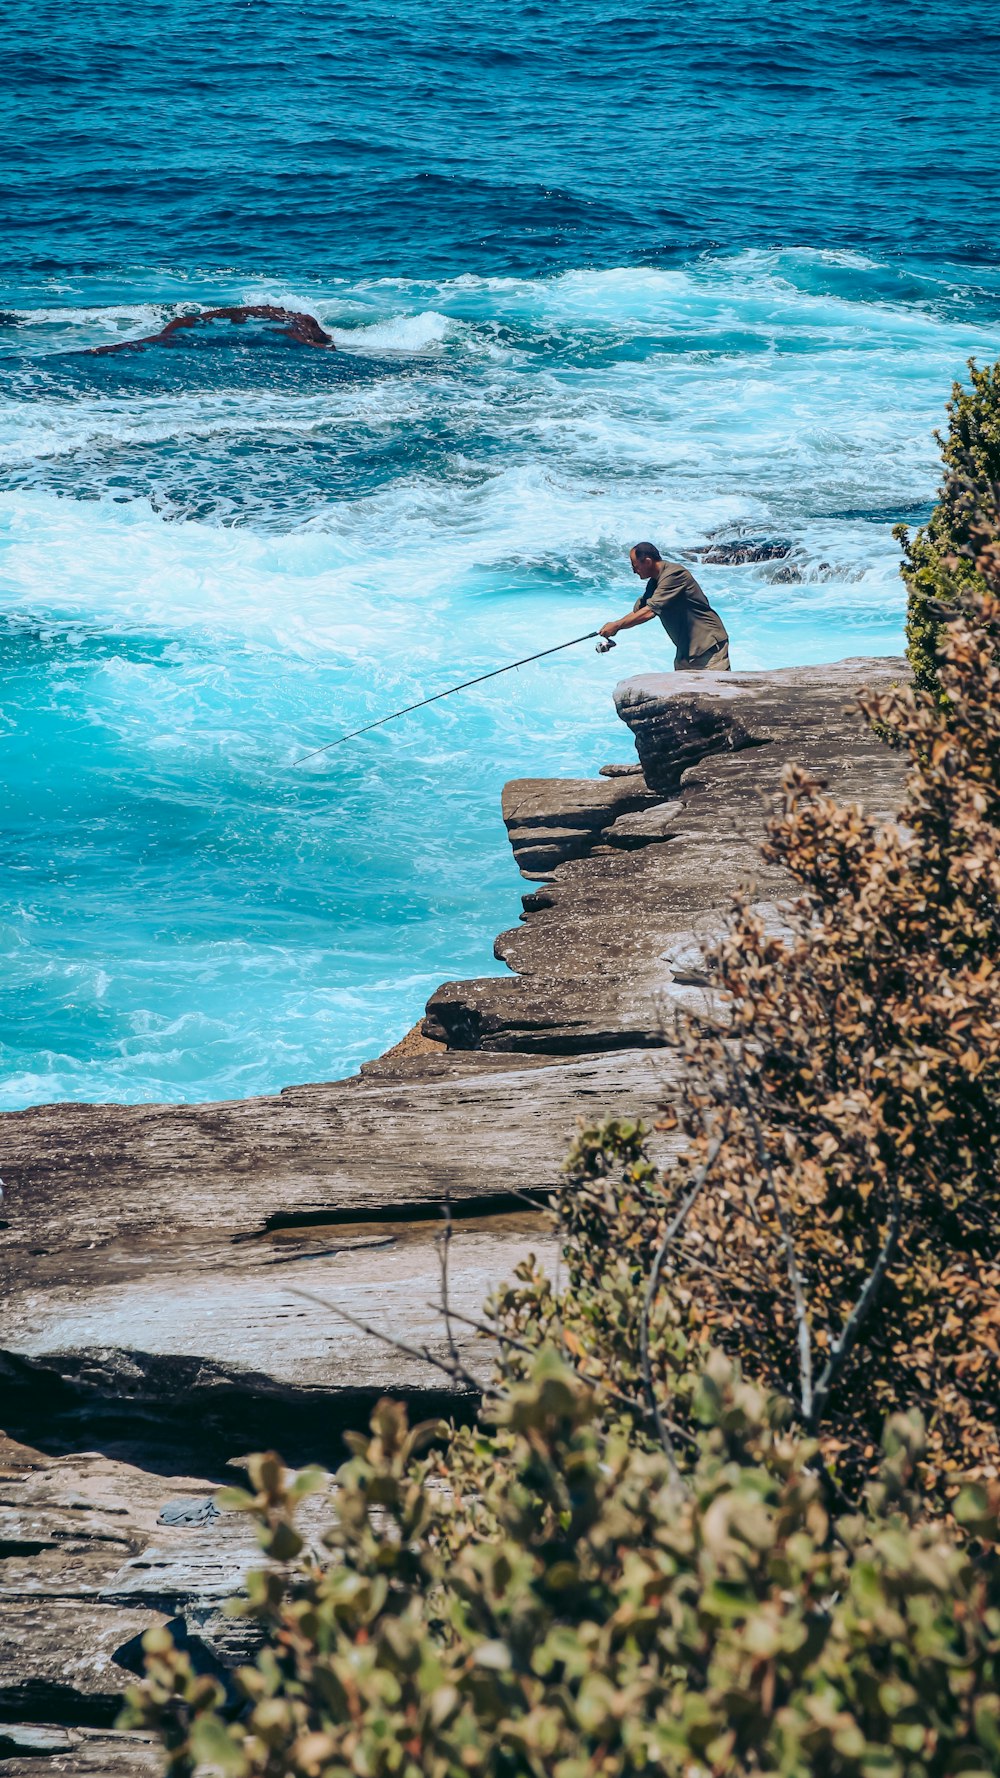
{"x":665,"y":852}
{"x":175,"y":1278}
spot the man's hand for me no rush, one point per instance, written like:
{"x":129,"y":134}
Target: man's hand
{"x":629,"y":622}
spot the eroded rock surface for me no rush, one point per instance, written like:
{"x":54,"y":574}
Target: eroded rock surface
{"x":549,"y":820}
{"x":292,"y":324}
{"x":181,"y":1284}
{"x":87,"y":1565}
{"x":591,"y":956}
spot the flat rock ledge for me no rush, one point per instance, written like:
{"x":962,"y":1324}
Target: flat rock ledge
{"x":183,"y":1284}
{"x":635,"y":866}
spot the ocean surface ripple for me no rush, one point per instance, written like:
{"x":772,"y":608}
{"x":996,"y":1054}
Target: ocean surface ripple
{"x":694,"y":273}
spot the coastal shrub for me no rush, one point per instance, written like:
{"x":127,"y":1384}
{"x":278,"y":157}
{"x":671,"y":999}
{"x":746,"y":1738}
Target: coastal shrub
{"x":834,"y":1223}
{"x":732,"y":1506}
{"x":937,"y":565}
{"x":565,"y":1605}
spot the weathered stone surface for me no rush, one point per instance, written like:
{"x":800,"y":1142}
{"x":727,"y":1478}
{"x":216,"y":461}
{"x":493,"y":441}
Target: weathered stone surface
{"x":552,"y":819}
{"x":507,"y":1015}
{"x":646,"y":826}
{"x":160,"y":1265}
{"x":58,"y":1658}
{"x":86,"y":1567}
{"x":32,"y":1750}
{"x":86,"y":1185}
{"x":156,"y":1255}
{"x":591,"y":955}
{"x":805,"y":714}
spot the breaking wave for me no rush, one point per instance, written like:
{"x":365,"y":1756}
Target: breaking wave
{"x":214,"y":560}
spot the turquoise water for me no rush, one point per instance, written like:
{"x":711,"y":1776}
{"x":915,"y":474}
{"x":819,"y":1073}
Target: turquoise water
{"x":566,"y":316}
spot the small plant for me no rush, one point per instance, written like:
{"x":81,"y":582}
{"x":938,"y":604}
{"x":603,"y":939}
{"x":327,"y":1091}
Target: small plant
{"x":938,"y":565}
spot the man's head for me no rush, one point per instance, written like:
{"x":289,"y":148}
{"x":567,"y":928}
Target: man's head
{"x":644,"y":558}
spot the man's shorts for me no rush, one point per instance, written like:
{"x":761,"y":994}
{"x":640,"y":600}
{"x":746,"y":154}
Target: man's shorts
{"x":711,"y":660}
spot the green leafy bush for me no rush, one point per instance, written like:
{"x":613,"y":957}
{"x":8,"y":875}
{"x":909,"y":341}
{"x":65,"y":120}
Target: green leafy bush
{"x":937,"y":566}
{"x":589,"y":1612}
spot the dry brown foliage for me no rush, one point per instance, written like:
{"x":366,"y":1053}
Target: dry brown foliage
{"x":835,"y":1225}
{"x":638,"y":1561}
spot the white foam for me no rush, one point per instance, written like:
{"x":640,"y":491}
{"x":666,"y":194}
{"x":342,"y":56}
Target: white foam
{"x":195,"y":661}
{"x":112,"y":317}
{"x":407,"y":333}
{"x":47,"y":429}
{"x":776,"y":404}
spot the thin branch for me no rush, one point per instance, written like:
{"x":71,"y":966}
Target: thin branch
{"x":673,"y":1229}
{"x":595,"y":1383}
{"x":442,"y":1245}
{"x":702,"y":1265}
{"x":766,"y":1164}
{"x":458,"y":1373}
{"x":841,"y":1348}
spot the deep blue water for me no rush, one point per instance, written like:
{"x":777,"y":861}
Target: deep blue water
{"x":682,"y":272}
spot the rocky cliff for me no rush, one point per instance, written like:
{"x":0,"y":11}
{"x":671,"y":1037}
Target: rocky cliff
{"x":154,"y":1257}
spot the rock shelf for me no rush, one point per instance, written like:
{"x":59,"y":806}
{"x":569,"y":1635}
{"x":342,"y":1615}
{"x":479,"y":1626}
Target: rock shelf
{"x":160,"y":1264}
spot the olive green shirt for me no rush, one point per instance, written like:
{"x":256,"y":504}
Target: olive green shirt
{"x":683,"y":610}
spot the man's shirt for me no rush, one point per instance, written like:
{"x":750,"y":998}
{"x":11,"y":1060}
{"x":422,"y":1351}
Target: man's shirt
{"x":683,"y":610}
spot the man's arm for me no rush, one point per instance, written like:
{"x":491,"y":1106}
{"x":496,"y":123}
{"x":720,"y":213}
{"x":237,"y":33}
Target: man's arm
{"x":642,"y":616}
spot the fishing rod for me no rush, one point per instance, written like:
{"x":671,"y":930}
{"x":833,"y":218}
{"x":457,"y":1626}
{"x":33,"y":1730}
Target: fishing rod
{"x":602,"y":648}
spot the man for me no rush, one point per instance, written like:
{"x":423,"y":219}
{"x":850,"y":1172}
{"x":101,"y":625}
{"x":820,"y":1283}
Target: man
{"x":674,"y":596}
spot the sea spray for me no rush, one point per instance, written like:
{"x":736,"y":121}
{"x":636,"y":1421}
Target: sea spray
{"x":213,"y":555}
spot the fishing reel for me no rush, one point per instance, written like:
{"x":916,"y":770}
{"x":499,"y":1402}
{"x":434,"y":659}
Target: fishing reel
{"x":606,"y":644}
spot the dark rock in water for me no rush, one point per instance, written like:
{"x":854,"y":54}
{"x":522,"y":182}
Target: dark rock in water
{"x":744,"y":549}
{"x":305,"y":330}
{"x":621,"y":771}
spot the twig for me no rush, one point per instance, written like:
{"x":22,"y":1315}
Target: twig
{"x":692,"y":1259}
{"x":804,"y":1332}
{"x":596,"y":1383}
{"x":457,"y":1372}
{"x":673,"y":1229}
{"x":442,"y":1244}
{"x":841,"y":1348}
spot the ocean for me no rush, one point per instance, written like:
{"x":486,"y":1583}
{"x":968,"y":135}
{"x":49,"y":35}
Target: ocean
{"x":693,"y":273}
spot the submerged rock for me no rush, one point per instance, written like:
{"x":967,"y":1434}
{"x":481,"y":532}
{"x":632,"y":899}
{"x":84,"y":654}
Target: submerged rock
{"x":304,"y":329}
{"x":738,"y":550}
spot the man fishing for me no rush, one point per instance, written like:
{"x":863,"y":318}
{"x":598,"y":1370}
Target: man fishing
{"x":673,"y":595}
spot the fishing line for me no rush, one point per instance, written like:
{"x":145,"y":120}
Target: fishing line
{"x":405,"y":711}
